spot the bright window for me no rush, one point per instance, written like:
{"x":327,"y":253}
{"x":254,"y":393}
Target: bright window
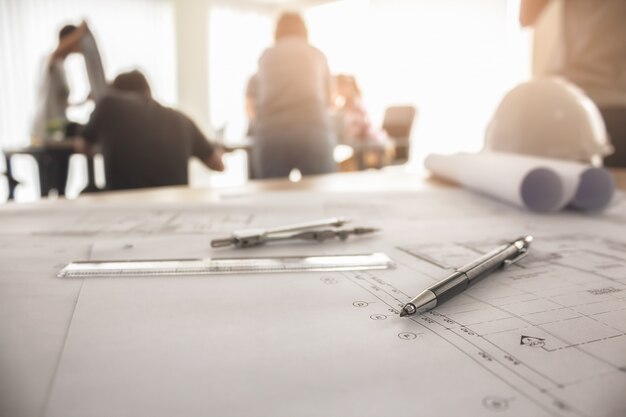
{"x":237,"y":37}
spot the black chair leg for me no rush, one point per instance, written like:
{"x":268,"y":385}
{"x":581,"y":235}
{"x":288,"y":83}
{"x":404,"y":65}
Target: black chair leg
{"x":91,"y":177}
{"x":12,"y":182}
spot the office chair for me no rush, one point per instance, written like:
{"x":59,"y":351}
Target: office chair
{"x":398,"y":122}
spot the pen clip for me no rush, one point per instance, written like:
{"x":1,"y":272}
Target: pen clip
{"x":508,"y":262}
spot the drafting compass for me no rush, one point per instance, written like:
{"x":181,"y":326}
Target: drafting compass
{"x":318,"y":230}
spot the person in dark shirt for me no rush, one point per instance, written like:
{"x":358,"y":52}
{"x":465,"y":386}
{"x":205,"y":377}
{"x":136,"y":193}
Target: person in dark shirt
{"x":145,"y":144}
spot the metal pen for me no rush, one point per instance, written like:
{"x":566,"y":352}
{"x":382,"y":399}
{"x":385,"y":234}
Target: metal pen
{"x":463,"y":277}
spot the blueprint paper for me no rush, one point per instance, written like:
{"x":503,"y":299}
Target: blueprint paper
{"x":35,"y":313}
{"x":546,"y":337}
{"x":539,"y":184}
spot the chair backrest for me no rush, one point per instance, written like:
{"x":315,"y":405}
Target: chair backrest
{"x":398,"y":121}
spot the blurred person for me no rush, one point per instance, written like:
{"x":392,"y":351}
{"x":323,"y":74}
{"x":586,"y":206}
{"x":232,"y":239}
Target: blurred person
{"x":291,"y":99}
{"x":145,"y":144}
{"x":51,"y":121}
{"x":354,"y":122}
{"x":250,"y":103}
{"x":592,"y":55}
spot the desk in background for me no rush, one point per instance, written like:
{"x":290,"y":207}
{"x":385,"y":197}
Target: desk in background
{"x":53,"y":162}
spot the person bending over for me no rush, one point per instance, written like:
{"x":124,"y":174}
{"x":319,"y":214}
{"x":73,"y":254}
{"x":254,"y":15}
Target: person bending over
{"x":292,"y":128}
{"x":145,"y":144}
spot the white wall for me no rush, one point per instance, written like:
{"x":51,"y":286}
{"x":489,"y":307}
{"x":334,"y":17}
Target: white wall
{"x":192,"y":59}
{"x":238,"y":35}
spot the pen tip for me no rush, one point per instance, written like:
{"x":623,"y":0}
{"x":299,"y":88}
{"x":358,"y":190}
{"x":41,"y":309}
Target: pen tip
{"x":408,"y":310}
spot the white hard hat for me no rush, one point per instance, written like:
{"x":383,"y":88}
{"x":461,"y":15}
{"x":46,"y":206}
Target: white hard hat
{"x":549,"y":117}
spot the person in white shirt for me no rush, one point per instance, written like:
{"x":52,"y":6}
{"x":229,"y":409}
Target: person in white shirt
{"x":592,"y":55}
{"x":52,"y":100}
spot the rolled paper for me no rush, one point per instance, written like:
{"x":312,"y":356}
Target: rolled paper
{"x":539,"y":184}
{"x":594,"y":186}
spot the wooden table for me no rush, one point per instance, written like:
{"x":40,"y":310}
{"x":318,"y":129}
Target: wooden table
{"x":365,"y":181}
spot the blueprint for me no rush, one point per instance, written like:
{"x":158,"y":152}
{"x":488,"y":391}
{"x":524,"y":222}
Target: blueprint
{"x":545,"y":337}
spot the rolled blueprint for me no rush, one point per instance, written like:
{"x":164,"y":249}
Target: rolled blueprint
{"x":594,"y":186}
{"x":539,"y":184}
{"x":93,"y":63}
